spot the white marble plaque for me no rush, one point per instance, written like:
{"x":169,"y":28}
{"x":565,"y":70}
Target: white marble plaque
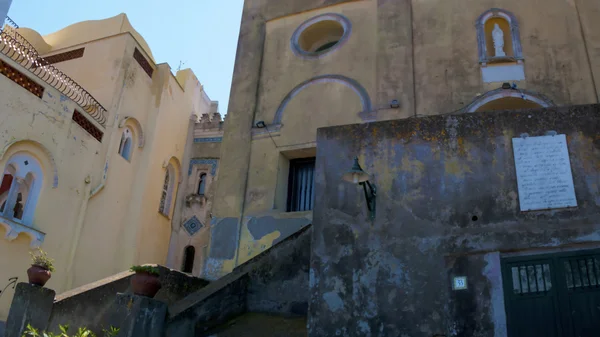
{"x":544,"y":173}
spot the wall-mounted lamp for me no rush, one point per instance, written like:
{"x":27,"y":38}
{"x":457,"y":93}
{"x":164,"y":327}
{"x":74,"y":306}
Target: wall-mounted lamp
{"x":394,"y":104}
{"x":356,"y":175}
{"x":261,"y":124}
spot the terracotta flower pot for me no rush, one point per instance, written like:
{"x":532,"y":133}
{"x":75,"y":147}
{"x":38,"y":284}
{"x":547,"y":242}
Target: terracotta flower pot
{"x":145,"y":284}
{"x":38,"y":275}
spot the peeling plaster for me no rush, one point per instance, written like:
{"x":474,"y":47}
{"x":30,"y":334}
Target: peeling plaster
{"x":493,"y":272}
{"x":334,"y":301}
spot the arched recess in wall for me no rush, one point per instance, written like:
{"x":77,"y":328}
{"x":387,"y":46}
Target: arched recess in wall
{"x":509,"y":99}
{"x":137,"y":129}
{"x":346,"y":81}
{"x":177,"y":166}
{"x":511,"y":30}
{"x":171,"y":179}
{"x":38,"y":145}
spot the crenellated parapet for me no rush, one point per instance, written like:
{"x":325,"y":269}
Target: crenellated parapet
{"x":209,"y":126}
{"x":211,"y":121}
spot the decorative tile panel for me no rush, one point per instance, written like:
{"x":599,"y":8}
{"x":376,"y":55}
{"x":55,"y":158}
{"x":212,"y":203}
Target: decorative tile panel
{"x":193,"y":225}
{"x":208,"y":140}
{"x":197,"y":161}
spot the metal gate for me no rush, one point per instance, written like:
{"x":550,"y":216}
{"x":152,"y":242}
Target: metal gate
{"x":553,"y":295}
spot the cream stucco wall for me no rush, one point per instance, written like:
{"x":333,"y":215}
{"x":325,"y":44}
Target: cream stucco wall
{"x":43,"y":129}
{"x":102,"y":225}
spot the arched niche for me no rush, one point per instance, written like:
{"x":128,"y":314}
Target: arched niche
{"x":360,"y":91}
{"x":172,"y":177}
{"x":509,"y":26}
{"x":136,"y":128}
{"x":509,"y":99}
{"x":189,"y":254}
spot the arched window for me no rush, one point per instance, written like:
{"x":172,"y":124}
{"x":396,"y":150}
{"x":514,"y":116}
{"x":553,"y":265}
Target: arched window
{"x":166,"y":197}
{"x":126,"y":144}
{"x":188,"y":259}
{"x":20,"y":188}
{"x":202,"y":184}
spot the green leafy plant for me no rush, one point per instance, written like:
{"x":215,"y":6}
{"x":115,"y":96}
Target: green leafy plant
{"x":145,"y":269}
{"x":81,"y":332}
{"x":42,"y":260}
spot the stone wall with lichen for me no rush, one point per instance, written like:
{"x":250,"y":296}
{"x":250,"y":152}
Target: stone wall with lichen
{"x":447,"y":205}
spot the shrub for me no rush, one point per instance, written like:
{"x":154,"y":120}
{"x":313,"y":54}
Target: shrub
{"x":81,"y":332}
{"x":145,"y":269}
{"x":42,"y":260}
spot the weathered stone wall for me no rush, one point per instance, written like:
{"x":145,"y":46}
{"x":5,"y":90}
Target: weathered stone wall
{"x":447,"y":205}
{"x":90,"y":305}
{"x":275,"y":282}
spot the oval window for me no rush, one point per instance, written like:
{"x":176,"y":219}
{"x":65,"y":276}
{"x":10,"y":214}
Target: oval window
{"x":320,"y":35}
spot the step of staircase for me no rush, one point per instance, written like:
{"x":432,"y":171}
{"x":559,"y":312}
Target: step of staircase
{"x":261,"y":325}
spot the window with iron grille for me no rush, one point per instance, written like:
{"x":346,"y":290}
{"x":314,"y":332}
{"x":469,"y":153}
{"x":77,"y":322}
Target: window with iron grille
{"x":301,"y":186}
{"x":163,"y":197}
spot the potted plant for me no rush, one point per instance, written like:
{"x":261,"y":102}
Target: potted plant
{"x":145,"y":281}
{"x":41,"y":268}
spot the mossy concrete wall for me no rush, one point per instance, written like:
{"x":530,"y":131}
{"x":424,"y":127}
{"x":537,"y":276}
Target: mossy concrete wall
{"x":447,"y":205}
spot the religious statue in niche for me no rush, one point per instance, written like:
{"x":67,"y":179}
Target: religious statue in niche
{"x":498,"y":36}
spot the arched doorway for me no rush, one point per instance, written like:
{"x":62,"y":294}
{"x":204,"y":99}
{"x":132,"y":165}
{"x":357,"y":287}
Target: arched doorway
{"x":188,"y":259}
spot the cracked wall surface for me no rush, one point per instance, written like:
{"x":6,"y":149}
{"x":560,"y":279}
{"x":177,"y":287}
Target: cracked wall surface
{"x":447,"y":205}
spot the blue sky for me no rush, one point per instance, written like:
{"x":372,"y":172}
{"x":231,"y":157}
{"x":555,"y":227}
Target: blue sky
{"x":201,"y":33}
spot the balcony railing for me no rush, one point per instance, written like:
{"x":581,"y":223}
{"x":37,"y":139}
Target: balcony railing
{"x":10,"y":22}
{"x":17,"y":48}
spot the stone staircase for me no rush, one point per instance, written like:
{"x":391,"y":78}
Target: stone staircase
{"x":267,"y":296}
{"x":261,"y":325}
{"x":89,"y":304}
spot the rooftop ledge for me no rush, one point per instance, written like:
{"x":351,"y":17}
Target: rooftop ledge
{"x":13,"y":229}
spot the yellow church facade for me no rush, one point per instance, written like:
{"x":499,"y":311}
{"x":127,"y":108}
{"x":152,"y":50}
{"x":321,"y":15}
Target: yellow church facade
{"x":303,"y":65}
{"x":92,"y":139}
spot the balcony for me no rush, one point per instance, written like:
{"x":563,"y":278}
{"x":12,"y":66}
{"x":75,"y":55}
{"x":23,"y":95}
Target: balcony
{"x":18,"y":49}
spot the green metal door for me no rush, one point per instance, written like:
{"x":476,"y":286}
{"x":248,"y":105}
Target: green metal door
{"x":553,"y":295}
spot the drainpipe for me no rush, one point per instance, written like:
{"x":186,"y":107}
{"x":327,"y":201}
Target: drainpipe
{"x":77,"y":234}
{"x":89,"y":193}
{"x":110,"y":145}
